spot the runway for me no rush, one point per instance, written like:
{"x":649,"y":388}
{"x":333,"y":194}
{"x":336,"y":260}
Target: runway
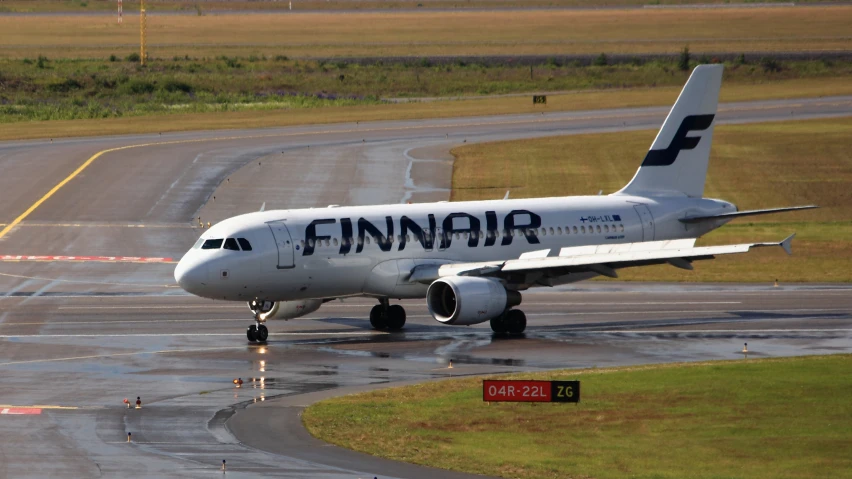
{"x":89,"y":313}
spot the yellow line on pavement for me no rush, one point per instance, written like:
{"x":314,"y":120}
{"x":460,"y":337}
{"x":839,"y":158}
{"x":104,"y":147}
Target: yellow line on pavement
{"x":56,"y":188}
{"x":97,"y":155}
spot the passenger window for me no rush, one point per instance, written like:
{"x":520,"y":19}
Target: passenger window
{"x":543,"y":231}
{"x":621,"y":228}
{"x":575,"y":230}
{"x":606,"y":228}
{"x":231,"y":244}
{"x":583,"y":229}
{"x":303,"y":243}
{"x":559,"y":230}
{"x":244,"y":244}
{"x":599,"y":228}
{"x":551,"y":231}
{"x":198,"y":243}
{"x":212,"y":244}
{"x":368,"y":239}
{"x":334,"y":242}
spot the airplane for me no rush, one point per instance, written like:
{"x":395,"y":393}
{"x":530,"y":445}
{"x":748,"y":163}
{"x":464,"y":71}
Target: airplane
{"x":472,"y":260}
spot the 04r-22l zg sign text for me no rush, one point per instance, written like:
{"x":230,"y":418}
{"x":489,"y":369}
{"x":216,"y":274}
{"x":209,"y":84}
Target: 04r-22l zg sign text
{"x":530,"y":391}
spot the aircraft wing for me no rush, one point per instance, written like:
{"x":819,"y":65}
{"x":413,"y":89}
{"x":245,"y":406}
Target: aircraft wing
{"x":600,"y":259}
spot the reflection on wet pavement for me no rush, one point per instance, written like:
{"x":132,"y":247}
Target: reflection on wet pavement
{"x":92,"y":352}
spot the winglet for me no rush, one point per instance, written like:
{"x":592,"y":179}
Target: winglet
{"x":263,"y":206}
{"x":507,"y":195}
{"x":787,"y":243}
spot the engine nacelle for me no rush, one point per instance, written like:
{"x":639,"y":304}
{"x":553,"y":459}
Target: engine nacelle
{"x":465,"y":300}
{"x":267,"y":310}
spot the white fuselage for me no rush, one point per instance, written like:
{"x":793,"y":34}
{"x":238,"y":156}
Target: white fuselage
{"x":371,"y":250}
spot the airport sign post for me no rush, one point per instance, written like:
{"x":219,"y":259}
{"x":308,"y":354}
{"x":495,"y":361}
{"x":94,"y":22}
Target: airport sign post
{"x":530,"y":391}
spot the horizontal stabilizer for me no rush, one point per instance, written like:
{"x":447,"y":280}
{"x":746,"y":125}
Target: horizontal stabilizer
{"x":737,"y":214}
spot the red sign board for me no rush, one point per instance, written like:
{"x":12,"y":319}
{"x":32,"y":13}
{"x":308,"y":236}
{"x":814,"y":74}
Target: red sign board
{"x":530,"y":391}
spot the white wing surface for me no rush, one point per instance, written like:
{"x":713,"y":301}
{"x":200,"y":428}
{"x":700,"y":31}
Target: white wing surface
{"x":596,"y":259}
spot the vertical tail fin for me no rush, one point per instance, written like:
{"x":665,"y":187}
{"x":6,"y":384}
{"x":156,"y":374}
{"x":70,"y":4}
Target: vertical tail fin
{"x":678,"y":158}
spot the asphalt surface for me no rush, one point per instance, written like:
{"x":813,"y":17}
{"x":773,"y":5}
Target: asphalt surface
{"x":79,"y":336}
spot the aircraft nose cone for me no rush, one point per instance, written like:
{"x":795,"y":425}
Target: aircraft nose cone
{"x":191,"y":276}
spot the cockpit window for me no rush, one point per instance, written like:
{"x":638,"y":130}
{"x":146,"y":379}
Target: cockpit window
{"x":212,"y":244}
{"x":244,"y":244}
{"x":198,"y":243}
{"x":231,"y":244}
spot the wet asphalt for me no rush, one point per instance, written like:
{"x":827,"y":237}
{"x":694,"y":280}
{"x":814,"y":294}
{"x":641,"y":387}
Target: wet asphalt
{"x":77,"y":338}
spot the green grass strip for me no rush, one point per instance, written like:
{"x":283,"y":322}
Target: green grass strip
{"x":775,"y":418}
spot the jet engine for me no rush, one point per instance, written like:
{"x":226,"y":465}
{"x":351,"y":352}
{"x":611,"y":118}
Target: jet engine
{"x":267,"y":310}
{"x":465,"y":300}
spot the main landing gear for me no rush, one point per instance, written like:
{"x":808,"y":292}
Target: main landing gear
{"x":257,"y":331}
{"x":513,"y":321}
{"x":385,"y":316}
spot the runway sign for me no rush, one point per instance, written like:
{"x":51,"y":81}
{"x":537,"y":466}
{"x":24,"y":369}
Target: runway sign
{"x":540,"y":99}
{"x":530,"y":391}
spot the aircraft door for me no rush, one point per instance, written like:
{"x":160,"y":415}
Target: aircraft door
{"x":647,"y":222}
{"x":284,"y":242}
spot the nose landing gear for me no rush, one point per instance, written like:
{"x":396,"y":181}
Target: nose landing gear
{"x":384,"y":316}
{"x":258,"y":332}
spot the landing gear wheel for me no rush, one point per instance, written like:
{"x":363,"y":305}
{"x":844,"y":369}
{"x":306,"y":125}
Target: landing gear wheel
{"x":378,"y":317}
{"x":251,"y":333}
{"x":499,"y":324}
{"x":262,"y":333}
{"x":516,"y":321}
{"x":395,"y":317}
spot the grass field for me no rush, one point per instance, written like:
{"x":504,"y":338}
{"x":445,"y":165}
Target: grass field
{"x":753,"y":166}
{"x":776,"y":418}
{"x":50,"y":89}
{"x":316,"y":111}
{"x":203,"y":6}
{"x":380,"y":34}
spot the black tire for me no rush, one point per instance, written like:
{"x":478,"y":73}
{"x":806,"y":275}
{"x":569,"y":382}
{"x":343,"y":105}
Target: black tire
{"x":395,"y":317}
{"x":499,"y":324}
{"x":516,"y":321}
{"x":378,"y":317}
{"x":262,"y":333}
{"x":251,"y":333}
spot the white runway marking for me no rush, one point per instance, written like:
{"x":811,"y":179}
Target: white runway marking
{"x":242,"y":306}
{"x":159,"y":335}
{"x":644,"y":303}
{"x":199,"y":306}
{"x":101,"y":356}
{"x":689,"y":311}
{"x":118,"y":321}
{"x":727,"y":331}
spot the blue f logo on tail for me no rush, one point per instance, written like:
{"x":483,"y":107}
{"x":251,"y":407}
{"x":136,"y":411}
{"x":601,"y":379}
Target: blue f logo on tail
{"x":680,"y":141}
